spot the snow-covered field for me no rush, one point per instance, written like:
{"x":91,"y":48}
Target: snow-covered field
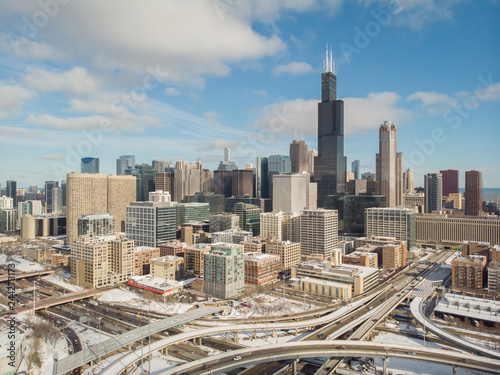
{"x":128,"y":298}
{"x":267,"y":305}
{"x":22,"y":264}
{"x":62,"y":282}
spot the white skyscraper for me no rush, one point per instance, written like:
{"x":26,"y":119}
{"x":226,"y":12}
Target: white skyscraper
{"x":389,"y":165}
{"x":318,"y":232}
{"x":294,"y":192}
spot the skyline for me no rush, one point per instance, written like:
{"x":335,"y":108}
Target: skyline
{"x":250,"y":78}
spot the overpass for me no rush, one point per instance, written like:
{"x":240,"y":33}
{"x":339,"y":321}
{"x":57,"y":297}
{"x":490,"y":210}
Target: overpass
{"x":18,"y":275}
{"x":126,"y":339}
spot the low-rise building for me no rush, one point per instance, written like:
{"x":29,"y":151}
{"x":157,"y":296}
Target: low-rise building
{"x":175,"y":248}
{"x":254,"y":245}
{"x":361,"y":258}
{"x":168,"y":267}
{"x":235,"y":236}
{"x":156,"y":284}
{"x":469,"y":273}
{"x":323,"y":288}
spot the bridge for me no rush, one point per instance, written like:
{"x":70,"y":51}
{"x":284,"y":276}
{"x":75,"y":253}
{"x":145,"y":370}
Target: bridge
{"x":126,"y":339}
{"x":471,"y":307}
{"x":18,"y":275}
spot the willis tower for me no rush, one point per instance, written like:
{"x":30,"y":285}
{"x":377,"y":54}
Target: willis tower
{"x":330,"y":164}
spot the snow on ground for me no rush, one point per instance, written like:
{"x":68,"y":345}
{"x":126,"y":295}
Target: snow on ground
{"x":409,"y":367}
{"x":62,"y":282}
{"x":87,"y":336}
{"x":22,"y":264}
{"x":267,"y":305}
{"x":128,"y":298}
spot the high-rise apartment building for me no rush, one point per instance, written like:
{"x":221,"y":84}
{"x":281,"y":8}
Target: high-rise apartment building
{"x":389,"y":164}
{"x":143,"y":255}
{"x":450,"y":182}
{"x":101,"y":261}
{"x":28,"y":208}
{"x":6,"y":202}
{"x":123,"y":163}
{"x":408,"y":182}
{"x":12,"y":191}
{"x":473,"y":193}
{"x":121,"y":192}
{"x":318,"y":232}
{"x":469,"y":273}
{"x":193,"y":258}
{"x":96,"y":225}
{"x":236,"y":236}
{"x":57,"y":200}
{"x":261,"y":269}
{"x":90,"y":165}
{"x":433,"y":192}
{"x":330,"y":164}
{"x":168,"y":267}
{"x":224,"y":270}
{"x":8,"y":220}
{"x":294,"y":192}
{"x":291,"y":227}
{"x":289,"y":253}
{"x":271,"y":225}
{"x":298,"y":156}
{"x":397,"y":222}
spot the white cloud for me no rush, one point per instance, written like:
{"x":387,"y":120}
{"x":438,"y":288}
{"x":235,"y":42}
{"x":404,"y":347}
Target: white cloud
{"x":260,"y":92}
{"x":13,"y":99}
{"x":13,"y":133}
{"x":294,"y":68}
{"x":360,"y":115}
{"x":172,"y":91}
{"x":431,"y":98}
{"x":416,"y":14}
{"x":84,"y":123}
{"x":74,"y":82}
{"x":23,"y":47}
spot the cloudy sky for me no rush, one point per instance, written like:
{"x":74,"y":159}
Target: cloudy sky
{"x":181,"y":79}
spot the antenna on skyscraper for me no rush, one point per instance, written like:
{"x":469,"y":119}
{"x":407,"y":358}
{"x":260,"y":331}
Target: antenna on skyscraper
{"x":328,"y":63}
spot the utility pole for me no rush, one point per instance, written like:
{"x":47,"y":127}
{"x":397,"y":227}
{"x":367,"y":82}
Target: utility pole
{"x":34,"y":288}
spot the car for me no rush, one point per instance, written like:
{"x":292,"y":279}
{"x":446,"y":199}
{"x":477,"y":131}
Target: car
{"x":131,"y":320}
{"x":190,"y":351}
{"x":374,"y":320}
{"x":353,"y":317}
{"x":321,"y":335}
{"x":205,"y":367}
{"x":237,"y":358}
{"x":176,"y":352}
{"x":411,"y":353}
{"x":463,"y":360}
{"x":370,"y":308}
{"x":340,"y":347}
{"x":356,"y":339}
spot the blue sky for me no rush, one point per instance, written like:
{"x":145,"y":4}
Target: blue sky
{"x":179,"y":80}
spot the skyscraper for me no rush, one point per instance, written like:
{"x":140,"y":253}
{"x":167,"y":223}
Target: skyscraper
{"x":473,"y":192}
{"x":298,"y":156}
{"x":355,"y":169}
{"x":408,"y":182}
{"x":389,"y":165}
{"x":450,"y":182}
{"x":330,"y":164}
{"x":433,"y":192}
{"x":49,"y":186}
{"x":262,"y":177}
{"x":187,"y":179}
{"x":90,"y":165}
{"x":281,"y":164}
{"x":227,"y":164}
{"x":124,"y":162}
{"x":294,"y":192}
{"x":12,"y":191}
{"x":318,"y":232}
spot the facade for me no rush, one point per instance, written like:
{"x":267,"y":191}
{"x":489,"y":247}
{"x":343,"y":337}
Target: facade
{"x":101,"y":261}
{"x":280,"y":164}
{"x":294,"y":192}
{"x":187,"y":212}
{"x":93,"y":225}
{"x":187,"y":179}
{"x":414,"y":200}
{"x":165,"y":181}
{"x":318,"y":232}
{"x":249,"y":215}
{"x":271,"y":225}
{"x":215,"y":201}
{"x":235,"y":236}
{"x":254,"y":245}
{"x":289,"y":253}
{"x":168,"y":267}
{"x":291,"y":227}
{"x":8,"y":220}
{"x":193,"y":258}
{"x":450,"y":182}
{"x":469,"y":273}
{"x":42,"y":226}
{"x":473,"y":193}
{"x":447,"y":230}
{"x":224,"y":270}
{"x":97,"y":193}
{"x":6,"y":202}
{"x":124,"y":162}
{"x":393,"y":256}
{"x":330,"y":164}
{"x":397,"y":222}
{"x":408,"y":183}
{"x":361,"y":258}
{"x":298,"y":156}
{"x":242,"y":181}
{"x":223,"y":221}
{"x":433,"y":192}
{"x":142,"y":259}
{"x":359,"y":279}
{"x":151,"y":223}
{"x":90,"y":165}
{"x":323,"y":288}
{"x":389,"y":165}
{"x":261,"y":269}
{"x":456,"y":198}
{"x":476,"y":248}
{"x":174,"y":248}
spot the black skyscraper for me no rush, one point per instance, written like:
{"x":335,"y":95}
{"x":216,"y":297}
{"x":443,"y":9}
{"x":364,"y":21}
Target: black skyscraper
{"x":330,"y":164}
{"x":12,"y":191}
